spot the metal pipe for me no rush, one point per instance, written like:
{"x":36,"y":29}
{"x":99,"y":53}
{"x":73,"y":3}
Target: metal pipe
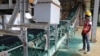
{"x":14,"y":48}
{"x":10,"y":4}
{"x":13,"y":17}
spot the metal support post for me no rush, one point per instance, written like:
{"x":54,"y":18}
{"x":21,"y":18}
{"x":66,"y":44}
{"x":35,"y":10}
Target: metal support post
{"x":27,"y":5}
{"x":48,"y":34}
{"x":95,"y":17}
{"x":15,"y":12}
{"x":10,"y":3}
{"x":34,"y":3}
{"x":23,"y":30}
{"x":3,"y":22}
{"x":56,"y":37}
{"x":22,"y":12}
{"x":67,"y":39}
{"x":25,"y":43}
{"x":46,"y":45}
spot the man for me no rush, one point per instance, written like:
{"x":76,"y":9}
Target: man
{"x":85,"y":31}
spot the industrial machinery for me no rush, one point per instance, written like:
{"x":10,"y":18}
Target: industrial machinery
{"x":40,"y":35}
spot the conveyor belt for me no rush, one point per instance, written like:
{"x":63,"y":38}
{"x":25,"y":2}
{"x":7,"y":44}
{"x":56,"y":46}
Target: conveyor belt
{"x":36,"y":34}
{"x":13,"y":41}
{"x":8,"y":42}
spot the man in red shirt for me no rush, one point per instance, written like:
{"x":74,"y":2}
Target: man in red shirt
{"x":86,"y":30}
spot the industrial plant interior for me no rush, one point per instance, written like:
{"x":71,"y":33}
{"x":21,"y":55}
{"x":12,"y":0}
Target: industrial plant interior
{"x":47,"y":27}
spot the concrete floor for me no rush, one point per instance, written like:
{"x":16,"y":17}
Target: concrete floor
{"x":76,"y":44}
{"x":95,"y":49}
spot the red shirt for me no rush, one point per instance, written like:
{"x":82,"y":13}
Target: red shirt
{"x":86,"y":27}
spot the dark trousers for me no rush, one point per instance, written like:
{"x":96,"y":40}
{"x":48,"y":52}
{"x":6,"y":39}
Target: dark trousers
{"x":86,"y":42}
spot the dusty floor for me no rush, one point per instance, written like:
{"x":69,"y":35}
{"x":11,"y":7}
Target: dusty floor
{"x":76,"y":44}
